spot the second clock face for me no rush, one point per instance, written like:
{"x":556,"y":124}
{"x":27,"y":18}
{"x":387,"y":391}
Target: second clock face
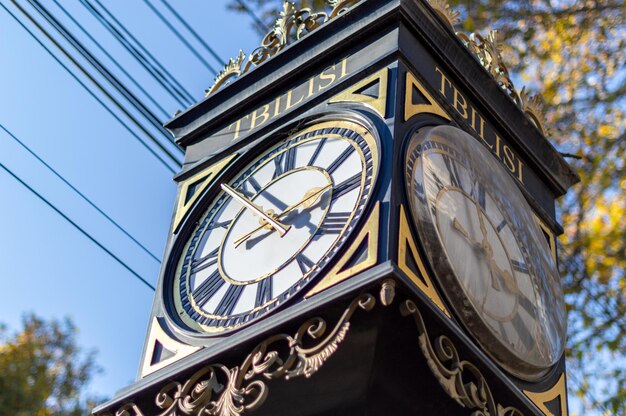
{"x":274,"y":226}
{"x":481,"y":237}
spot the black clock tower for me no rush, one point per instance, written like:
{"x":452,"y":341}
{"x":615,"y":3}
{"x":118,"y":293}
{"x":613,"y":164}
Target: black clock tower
{"x":365,"y":224}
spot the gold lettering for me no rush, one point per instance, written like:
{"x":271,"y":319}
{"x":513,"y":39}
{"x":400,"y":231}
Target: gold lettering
{"x":277,"y":107}
{"x":311,"y":85}
{"x":461,"y":102}
{"x":498,"y":146}
{"x":330,"y":78}
{"x":265,"y":115}
{"x":237,"y":125}
{"x":444,"y":80}
{"x":481,"y":128}
{"x":289,"y":104}
{"x":520,"y":176}
{"x":344,"y":69}
{"x":509,"y":157}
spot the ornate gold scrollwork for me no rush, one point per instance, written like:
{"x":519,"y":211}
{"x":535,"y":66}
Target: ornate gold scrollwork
{"x":460,"y":379}
{"x":217,"y":390}
{"x":291,"y":25}
{"x":487,"y":51}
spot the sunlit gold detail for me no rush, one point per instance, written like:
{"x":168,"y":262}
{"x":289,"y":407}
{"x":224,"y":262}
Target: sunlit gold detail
{"x":406,"y":244}
{"x":551,"y":238}
{"x":206,"y":176}
{"x":233,"y":391}
{"x":411,"y":109}
{"x":387,"y":292}
{"x":310,"y":197}
{"x":157,"y":334}
{"x":487,"y":51}
{"x":445,"y":12}
{"x":559,"y":390}
{"x":290,"y":26}
{"x":460,"y":379}
{"x":367,"y":235}
{"x":257,"y":210}
{"x":378,"y":103}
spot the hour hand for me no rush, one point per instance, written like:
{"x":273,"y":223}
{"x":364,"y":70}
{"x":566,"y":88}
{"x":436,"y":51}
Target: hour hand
{"x":256,"y":210}
{"x":457,"y":226}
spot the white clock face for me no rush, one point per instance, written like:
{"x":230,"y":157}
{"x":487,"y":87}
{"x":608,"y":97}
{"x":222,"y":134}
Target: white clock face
{"x":274,"y":226}
{"x":486,"y":248}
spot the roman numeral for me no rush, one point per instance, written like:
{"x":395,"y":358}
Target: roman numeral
{"x":263,"y":292}
{"x":525,"y":303}
{"x":317,"y":151}
{"x":208,"y":288}
{"x":334,"y":223}
{"x":254,"y":184}
{"x":520,"y":266}
{"x":501,"y":225}
{"x":523,"y":332}
{"x":346,"y":186}
{"x":304,"y":263}
{"x":230,"y":299}
{"x":220,"y":224}
{"x":340,"y":159}
{"x":284,"y":162}
{"x":478,"y":193}
{"x":204,"y":262}
{"x":455,"y":179}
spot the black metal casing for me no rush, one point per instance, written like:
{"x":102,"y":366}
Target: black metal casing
{"x":378,"y":365}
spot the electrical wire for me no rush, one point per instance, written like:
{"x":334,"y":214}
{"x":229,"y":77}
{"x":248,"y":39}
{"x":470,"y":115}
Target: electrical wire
{"x":112,"y":59}
{"x":142,"y":141}
{"x":152,"y":66}
{"x":179,"y":36}
{"x":102,"y":70}
{"x":85,"y":198}
{"x":78,"y":227}
{"x":261,"y":27}
{"x":192,"y":31}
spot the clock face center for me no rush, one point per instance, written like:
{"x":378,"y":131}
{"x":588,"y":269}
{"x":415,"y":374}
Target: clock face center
{"x":299,"y":199}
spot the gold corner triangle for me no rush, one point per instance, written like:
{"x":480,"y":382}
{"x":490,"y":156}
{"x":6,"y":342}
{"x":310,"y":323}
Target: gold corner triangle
{"x":378,"y":103}
{"x":411,"y":109}
{"x":407,"y":246}
{"x":178,"y":349}
{"x":368,"y":235}
{"x":559,"y":390}
{"x":206,"y":177}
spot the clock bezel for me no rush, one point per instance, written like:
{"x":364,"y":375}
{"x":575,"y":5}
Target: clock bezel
{"x":448,"y":283}
{"x":248,"y":155}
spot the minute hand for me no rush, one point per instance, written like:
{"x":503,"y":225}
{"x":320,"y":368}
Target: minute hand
{"x":287,"y":210}
{"x":278,"y":226}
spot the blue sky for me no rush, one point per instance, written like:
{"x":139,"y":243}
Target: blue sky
{"x":46,"y":265}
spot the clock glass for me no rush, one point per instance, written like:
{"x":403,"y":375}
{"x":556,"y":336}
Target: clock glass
{"x":487,"y":250}
{"x":273,"y":226}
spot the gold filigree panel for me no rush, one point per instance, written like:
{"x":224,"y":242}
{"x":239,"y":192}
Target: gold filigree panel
{"x":371,"y":92}
{"x":190,"y":189}
{"x":556,"y":392}
{"x":366,"y":241}
{"x":161,"y":350}
{"x":425,"y":102}
{"x":409,"y":258}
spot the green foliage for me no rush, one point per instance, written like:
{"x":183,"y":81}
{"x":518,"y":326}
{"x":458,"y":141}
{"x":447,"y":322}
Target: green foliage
{"x":574,"y":53}
{"x":43,"y":371}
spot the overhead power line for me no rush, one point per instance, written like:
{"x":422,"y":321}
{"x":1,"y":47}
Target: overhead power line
{"x":192,"y":31}
{"x":112,"y":59}
{"x":140,"y":53}
{"x":85,"y":198}
{"x":78,"y":227}
{"x":102,"y":70}
{"x":109,"y":110}
{"x":179,"y":36}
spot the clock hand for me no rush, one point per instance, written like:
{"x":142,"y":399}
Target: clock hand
{"x":509,"y":281}
{"x":278,"y":226}
{"x":457,"y":226}
{"x":307,"y":200}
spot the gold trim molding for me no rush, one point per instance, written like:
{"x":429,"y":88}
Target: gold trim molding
{"x":411,"y":109}
{"x":218,"y":390}
{"x":291,"y":25}
{"x":460,"y":379}
{"x":488,"y":52}
{"x":559,"y":390}
{"x":354,"y":94}
{"x":158,"y":335}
